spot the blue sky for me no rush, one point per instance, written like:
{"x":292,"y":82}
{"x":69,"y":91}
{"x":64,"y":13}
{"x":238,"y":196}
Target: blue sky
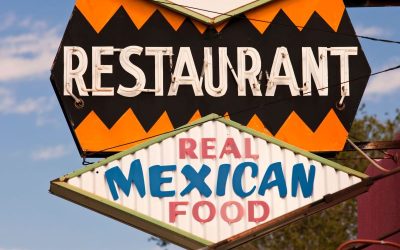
{"x":36,"y":145}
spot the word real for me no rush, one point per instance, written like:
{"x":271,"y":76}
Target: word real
{"x":250,"y":71}
{"x":207,"y":148}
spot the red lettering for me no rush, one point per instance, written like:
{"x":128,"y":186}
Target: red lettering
{"x":265,"y":211}
{"x":186,"y":148}
{"x":206,"y":146}
{"x":247,"y":150}
{"x":211,"y":208}
{"x":230,"y":147}
{"x":239,"y":208}
{"x":230,"y":211}
{"x":173,"y":213}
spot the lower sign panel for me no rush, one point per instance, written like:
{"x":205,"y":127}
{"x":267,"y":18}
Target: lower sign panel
{"x":205,"y":183}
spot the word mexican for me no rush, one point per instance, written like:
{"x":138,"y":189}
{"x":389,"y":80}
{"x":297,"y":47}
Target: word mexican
{"x":250,"y":71}
{"x":196,"y":180}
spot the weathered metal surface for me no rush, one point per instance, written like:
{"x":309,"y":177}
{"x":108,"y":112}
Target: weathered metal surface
{"x":378,"y":210}
{"x":251,"y":148}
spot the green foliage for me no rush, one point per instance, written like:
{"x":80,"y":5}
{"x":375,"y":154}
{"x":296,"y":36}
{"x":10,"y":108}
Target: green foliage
{"x":325,"y":230}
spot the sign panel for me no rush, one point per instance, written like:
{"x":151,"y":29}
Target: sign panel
{"x":205,"y":182}
{"x":129,"y":70}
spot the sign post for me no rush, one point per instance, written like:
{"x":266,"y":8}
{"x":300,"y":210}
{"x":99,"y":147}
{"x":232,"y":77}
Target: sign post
{"x":210,"y":181}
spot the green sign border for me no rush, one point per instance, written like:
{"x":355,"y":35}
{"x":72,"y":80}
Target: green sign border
{"x":61,"y":188}
{"x":185,"y":10}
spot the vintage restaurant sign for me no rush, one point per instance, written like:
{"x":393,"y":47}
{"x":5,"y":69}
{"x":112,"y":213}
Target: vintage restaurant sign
{"x":205,"y":182}
{"x":131,"y":69}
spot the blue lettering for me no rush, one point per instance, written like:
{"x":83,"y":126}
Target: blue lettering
{"x":115,"y":177}
{"x":156,"y":180}
{"x":279,"y":181}
{"x":299,"y":178}
{"x":197,"y":180}
{"x":237,"y":178}
{"x":223,"y":173}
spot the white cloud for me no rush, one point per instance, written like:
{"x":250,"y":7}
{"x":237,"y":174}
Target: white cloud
{"x":385,"y":84}
{"x":49,"y":153}
{"x":9,"y":104}
{"x":29,"y":53}
{"x":382,"y":85}
{"x":373,"y":31}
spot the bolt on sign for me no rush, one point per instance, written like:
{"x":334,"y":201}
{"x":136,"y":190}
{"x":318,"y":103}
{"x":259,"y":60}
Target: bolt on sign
{"x":206,"y":182}
{"x":131,"y":69}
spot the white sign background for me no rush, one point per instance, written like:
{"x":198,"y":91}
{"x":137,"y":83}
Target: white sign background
{"x":328,"y":180}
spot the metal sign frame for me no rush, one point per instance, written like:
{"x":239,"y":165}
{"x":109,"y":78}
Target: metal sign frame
{"x":108,"y":124}
{"x":184,"y":10}
{"x":61,"y":188}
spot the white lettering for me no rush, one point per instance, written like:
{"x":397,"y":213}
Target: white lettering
{"x":344,"y":53}
{"x":249,"y":71}
{"x":311,"y":69}
{"x":159,"y":53}
{"x":98,"y":69}
{"x":132,"y":69}
{"x":289,"y":79}
{"x":75,"y":74}
{"x":185,"y":58}
{"x":251,"y":74}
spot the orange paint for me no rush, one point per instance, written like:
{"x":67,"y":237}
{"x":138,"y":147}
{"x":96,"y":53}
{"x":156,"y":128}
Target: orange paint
{"x":139,"y":11}
{"x":256,"y":124}
{"x":195,"y":117}
{"x":331,"y":132}
{"x":96,"y":13}
{"x":262,"y":17}
{"x":162,"y":125}
{"x":221,"y":26}
{"x":332,"y":11}
{"x":173,"y":18}
{"x":329,"y":136}
{"x":200,"y":26}
{"x":93,"y":135}
{"x":99,"y":12}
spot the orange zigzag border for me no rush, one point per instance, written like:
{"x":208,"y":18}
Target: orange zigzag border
{"x":94,"y":136}
{"x":99,"y":12}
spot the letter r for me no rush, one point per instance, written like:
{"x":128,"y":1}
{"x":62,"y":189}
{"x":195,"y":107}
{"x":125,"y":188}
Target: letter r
{"x":186,"y":148}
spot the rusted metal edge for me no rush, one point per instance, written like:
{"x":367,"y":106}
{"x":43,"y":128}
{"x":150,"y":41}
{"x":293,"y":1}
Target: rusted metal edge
{"x":383,"y":237}
{"x":278,"y":223}
{"x":126,"y":216}
{"x":374,"y":145}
